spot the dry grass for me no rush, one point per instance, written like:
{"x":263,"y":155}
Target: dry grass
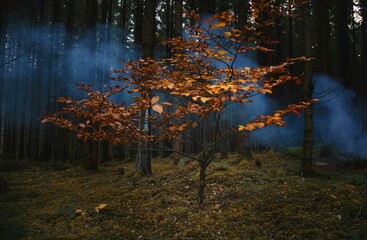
{"x":243,"y":202}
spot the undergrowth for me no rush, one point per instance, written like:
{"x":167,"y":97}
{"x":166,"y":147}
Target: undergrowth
{"x":243,"y":201}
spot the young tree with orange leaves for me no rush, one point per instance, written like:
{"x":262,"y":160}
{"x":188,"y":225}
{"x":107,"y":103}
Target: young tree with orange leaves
{"x":199,"y":81}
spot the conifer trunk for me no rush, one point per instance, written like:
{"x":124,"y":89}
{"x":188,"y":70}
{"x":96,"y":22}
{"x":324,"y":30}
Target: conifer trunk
{"x":306,"y":164}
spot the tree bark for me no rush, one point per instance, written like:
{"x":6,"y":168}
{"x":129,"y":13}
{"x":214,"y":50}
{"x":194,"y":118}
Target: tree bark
{"x":3,"y":26}
{"x":91,"y":147}
{"x":343,"y":21}
{"x":306,"y":163}
{"x":143,"y":161}
{"x":178,"y":18}
{"x":204,"y":158}
{"x":149,"y":29}
{"x":322,"y":14}
{"x":244,"y":147}
{"x":243,"y":139}
{"x":242,"y":12}
{"x":90,"y":161}
{"x":138,"y":27}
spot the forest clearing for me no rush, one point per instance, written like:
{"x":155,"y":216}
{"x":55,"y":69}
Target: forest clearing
{"x":244,"y":201}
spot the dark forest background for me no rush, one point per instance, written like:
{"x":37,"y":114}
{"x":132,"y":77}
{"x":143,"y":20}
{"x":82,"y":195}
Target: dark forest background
{"x":46,"y":47}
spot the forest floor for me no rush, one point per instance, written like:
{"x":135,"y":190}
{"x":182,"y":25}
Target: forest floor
{"x":243,"y":201}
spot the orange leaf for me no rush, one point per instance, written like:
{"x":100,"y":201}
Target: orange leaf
{"x":250,"y":127}
{"x":204,"y":99}
{"x":154,"y":100}
{"x":102,"y":205}
{"x":218,"y":25}
{"x":171,"y":85}
{"x":158,"y":108}
{"x":222,"y":52}
{"x":181,"y":128}
{"x":227,"y":34}
{"x":63,"y":99}
{"x":195,"y":98}
{"x":116,"y":116}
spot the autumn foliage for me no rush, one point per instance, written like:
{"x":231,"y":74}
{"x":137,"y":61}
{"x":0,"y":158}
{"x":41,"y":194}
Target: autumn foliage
{"x":202,"y":77}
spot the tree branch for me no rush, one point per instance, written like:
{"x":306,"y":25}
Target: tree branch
{"x":15,"y":58}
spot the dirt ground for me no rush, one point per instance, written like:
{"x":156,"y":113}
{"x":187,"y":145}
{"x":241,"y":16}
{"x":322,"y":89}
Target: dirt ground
{"x":243,"y":201}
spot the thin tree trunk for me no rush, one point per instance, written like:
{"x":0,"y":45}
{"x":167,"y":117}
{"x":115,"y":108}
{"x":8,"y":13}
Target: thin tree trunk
{"x":91,"y":147}
{"x":3,"y":27}
{"x":138,"y":28}
{"x":343,"y":21}
{"x":178,"y":18}
{"x":243,"y":140}
{"x":242,"y":12}
{"x":322,"y":12}
{"x":90,"y":161}
{"x":205,"y":158}
{"x":149,"y":29}
{"x":178,"y":144}
{"x":144,"y":153}
{"x":306,"y":163}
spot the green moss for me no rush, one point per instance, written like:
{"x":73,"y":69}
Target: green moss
{"x":242,"y":202}
{"x":357,"y":180}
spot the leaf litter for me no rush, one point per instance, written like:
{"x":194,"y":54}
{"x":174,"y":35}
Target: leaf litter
{"x":243,"y":201}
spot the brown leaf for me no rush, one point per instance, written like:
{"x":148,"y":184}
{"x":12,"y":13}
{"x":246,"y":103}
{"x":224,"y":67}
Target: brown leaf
{"x":158,"y":108}
{"x":154,"y":100}
{"x":63,"y":99}
{"x":217,"y":206}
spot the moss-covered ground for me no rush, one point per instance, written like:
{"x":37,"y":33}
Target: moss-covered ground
{"x":243,"y":201}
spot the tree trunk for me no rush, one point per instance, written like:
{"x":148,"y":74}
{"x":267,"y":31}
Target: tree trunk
{"x":322,"y":13}
{"x":90,"y":161}
{"x":177,"y":148}
{"x":138,"y":27}
{"x":178,"y":18}
{"x":143,"y":161}
{"x":3,"y":26}
{"x":222,"y":6}
{"x":149,"y":29}
{"x":242,"y":12}
{"x":177,"y":144}
{"x":91,"y":147}
{"x":244,"y":147}
{"x":243,"y":139}
{"x":143,"y":158}
{"x":343,"y":21}
{"x":206,"y":6}
{"x":306,"y":164}
{"x":205,"y":158}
